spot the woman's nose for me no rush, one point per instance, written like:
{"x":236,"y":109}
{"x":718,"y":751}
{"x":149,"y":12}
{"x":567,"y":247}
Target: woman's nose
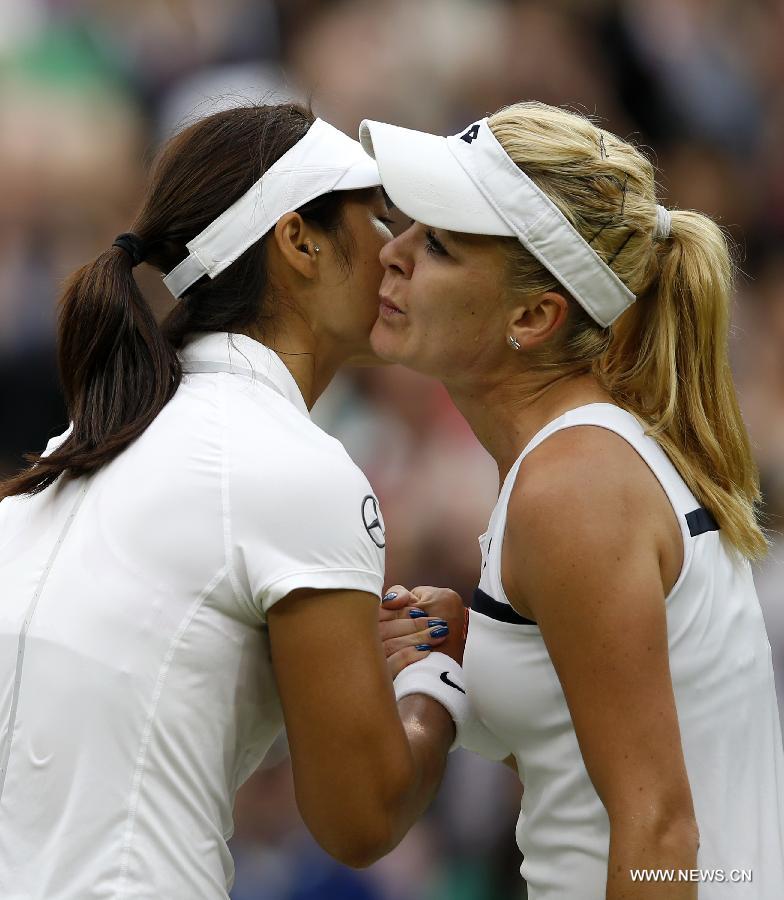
{"x":396,"y":255}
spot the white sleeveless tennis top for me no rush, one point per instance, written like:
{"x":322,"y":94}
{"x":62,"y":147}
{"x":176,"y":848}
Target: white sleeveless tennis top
{"x":722,"y":675}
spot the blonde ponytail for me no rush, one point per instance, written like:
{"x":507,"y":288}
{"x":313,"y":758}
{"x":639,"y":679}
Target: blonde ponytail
{"x":668,"y":363}
{"x":666,"y":358}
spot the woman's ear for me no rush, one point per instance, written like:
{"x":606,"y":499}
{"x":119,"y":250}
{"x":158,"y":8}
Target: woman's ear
{"x":297,"y":245}
{"x":535,"y":324}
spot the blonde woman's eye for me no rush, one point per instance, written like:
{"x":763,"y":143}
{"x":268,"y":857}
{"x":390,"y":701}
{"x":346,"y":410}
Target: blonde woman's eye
{"x":433,"y":245}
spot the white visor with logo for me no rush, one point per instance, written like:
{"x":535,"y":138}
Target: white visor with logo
{"x":468,"y":183}
{"x":324,"y":160}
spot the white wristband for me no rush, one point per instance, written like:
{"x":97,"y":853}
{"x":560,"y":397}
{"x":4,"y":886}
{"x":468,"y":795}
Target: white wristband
{"x":440,"y":677}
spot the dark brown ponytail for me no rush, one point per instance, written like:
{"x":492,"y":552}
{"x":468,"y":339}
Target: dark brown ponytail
{"x":118,"y":367}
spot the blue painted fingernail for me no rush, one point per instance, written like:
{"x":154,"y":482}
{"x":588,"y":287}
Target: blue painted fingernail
{"x":437,"y":622}
{"x":390,"y":596}
{"x":441,"y":631}
{"x":423,"y":647}
{"x":416,"y":613}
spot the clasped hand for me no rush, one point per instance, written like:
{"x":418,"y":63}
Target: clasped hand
{"x":413,"y":623}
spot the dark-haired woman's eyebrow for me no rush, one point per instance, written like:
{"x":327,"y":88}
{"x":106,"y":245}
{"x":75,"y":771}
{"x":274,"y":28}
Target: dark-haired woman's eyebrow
{"x":387,"y":200}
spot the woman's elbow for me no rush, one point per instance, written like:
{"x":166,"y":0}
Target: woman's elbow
{"x":360,"y":826}
{"x":359,"y":842}
{"x":358,"y":851}
{"x":661,"y":827}
{"x":681,"y":833}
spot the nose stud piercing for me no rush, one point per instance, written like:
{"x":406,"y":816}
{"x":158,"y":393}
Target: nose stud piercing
{"x":514,"y":342}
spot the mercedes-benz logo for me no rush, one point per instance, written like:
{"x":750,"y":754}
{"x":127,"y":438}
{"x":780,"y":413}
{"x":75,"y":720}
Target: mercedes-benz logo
{"x":374,"y":524}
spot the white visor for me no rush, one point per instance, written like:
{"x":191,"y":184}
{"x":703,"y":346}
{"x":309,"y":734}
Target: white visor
{"x":468,"y":183}
{"x":324,"y":160}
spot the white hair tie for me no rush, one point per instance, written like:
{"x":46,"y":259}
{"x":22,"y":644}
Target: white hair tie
{"x":663,"y":223}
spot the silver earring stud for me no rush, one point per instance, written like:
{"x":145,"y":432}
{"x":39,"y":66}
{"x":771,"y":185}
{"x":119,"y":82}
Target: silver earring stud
{"x":515,"y":344}
{"x":316,"y":248}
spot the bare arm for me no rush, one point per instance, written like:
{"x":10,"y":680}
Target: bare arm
{"x":592,"y":579}
{"x":400,"y":633}
{"x":362,"y":776}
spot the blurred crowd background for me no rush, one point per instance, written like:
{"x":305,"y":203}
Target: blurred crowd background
{"x":89,"y":89}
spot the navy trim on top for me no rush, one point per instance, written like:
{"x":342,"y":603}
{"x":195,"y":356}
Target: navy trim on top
{"x":700,"y":521}
{"x":501,"y":612}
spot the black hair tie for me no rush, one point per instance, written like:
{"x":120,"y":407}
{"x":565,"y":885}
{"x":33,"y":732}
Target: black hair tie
{"x":133,"y":246}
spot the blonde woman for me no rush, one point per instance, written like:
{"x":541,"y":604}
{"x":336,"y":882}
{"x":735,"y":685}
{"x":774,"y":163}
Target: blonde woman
{"x":616,"y":654}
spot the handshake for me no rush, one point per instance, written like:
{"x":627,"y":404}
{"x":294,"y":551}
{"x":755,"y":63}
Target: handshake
{"x":423,"y":632}
{"x":414,"y":623}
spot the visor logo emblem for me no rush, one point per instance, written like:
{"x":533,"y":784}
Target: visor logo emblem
{"x":471,"y":135}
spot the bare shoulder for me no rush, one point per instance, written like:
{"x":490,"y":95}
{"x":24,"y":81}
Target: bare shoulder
{"x":584,"y":502}
{"x":586,"y":467}
{"x":583,"y":550}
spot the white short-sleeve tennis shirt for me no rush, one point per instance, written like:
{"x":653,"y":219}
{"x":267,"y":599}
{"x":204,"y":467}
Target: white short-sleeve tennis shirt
{"x":136,"y":690}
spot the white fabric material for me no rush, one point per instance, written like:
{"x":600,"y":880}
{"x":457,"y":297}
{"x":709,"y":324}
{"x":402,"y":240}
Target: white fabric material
{"x":722,"y":675}
{"x":663,"y":223}
{"x":468,"y":183}
{"x":145,"y":693}
{"x":431,"y":676}
{"x":324,"y":160}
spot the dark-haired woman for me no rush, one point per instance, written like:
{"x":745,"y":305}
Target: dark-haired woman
{"x":616,"y":652}
{"x":194,"y":563}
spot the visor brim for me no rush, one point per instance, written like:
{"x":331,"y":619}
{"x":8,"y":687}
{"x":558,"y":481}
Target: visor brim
{"x":425,"y":181}
{"x":362,"y":174}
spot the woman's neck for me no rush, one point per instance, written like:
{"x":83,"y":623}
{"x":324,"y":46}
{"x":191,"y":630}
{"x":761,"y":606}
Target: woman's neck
{"x":312,"y":364}
{"x":506,"y":415}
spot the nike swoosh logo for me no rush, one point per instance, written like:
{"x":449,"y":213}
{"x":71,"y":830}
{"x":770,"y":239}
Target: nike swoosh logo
{"x":445,"y":679}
